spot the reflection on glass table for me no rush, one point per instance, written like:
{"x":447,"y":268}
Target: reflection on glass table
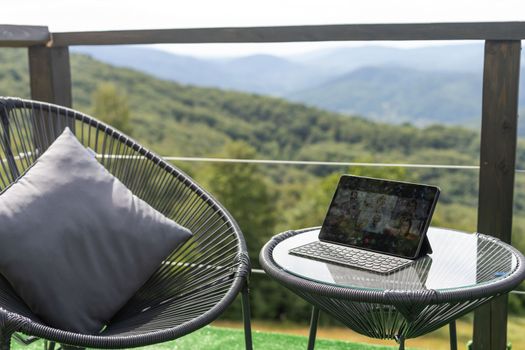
{"x":463,"y":271}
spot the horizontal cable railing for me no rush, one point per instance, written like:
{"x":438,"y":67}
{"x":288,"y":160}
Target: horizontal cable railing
{"x":290,"y":162}
{"x":313,"y":162}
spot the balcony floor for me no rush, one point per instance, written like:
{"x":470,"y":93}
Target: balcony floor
{"x":269,"y":336}
{"x":218,"y":338}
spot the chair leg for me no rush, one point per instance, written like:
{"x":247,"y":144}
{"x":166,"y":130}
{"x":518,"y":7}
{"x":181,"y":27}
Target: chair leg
{"x":401,"y":342}
{"x":5,"y":339}
{"x":453,"y":336}
{"x":313,"y":328}
{"x":69,"y":347}
{"x":49,"y":345}
{"x":246,"y":315}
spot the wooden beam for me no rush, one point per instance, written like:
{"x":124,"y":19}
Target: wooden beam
{"x":50,"y":80}
{"x":356,"y":32}
{"x":50,"y":75}
{"x":496,"y":178}
{"x":23,"y":36}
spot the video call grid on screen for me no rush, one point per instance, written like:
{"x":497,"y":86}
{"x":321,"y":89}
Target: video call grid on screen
{"x":379,"y":215}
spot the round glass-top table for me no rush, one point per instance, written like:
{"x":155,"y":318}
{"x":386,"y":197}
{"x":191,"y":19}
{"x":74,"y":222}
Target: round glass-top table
{"x":462,"y":272}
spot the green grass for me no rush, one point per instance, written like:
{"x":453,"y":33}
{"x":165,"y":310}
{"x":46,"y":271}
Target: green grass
{"x":214,"y":338}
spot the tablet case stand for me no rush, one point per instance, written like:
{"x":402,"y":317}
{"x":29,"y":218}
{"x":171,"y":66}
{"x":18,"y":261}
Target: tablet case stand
{"x":425,"y":248}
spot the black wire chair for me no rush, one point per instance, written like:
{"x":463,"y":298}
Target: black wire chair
{"x":188,"y":291}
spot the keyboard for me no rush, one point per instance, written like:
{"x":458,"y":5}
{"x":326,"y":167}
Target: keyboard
{"x":351,"y":257}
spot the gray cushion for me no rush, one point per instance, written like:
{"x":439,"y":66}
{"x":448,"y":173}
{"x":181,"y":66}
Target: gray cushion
{"x":75,"y":243}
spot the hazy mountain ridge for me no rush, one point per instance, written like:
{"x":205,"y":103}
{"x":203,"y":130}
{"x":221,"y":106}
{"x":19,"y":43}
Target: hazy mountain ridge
{"x":468,"y":58}
{"x":264,"y":74}
{"x":439,"y":84}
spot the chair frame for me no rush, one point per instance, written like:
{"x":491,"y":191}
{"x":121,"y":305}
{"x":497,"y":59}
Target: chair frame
{"x":27,"y":128}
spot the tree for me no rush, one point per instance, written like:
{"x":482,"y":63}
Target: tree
{"x":111,"y":106}
{"x":245,"y":194}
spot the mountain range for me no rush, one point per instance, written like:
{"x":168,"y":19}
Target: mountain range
{"x":263,"y":74}
{"x":439,"y":84}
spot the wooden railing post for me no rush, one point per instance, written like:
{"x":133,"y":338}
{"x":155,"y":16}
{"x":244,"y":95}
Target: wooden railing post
{"x":50,"y":80}
{"x":50,"y":74}
{"x":497,"y":169}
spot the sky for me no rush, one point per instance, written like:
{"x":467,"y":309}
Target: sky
{"x":88,"y":15}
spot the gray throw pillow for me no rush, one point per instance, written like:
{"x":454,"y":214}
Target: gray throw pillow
{"x":75,"y":243}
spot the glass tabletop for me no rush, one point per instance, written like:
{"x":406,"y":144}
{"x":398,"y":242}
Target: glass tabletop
{"x":459,"y":260}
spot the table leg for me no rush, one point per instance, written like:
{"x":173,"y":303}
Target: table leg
{"x":5,"y":339}
{"x":313,"y":327}
{"x":453,"y":336}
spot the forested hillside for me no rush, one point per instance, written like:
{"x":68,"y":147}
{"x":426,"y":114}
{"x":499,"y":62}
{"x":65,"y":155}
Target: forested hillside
{"x":180,"y":120}
{"x":397,"y":94}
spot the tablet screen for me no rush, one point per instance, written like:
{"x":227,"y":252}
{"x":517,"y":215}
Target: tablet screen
{"x":380,"y":215}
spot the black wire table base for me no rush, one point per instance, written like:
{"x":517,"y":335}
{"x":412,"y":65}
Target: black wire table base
{"x":400,"y":340}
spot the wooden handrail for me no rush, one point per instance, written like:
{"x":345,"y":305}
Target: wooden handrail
{"x":346,"y":32}
{"x":23,"y":36}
